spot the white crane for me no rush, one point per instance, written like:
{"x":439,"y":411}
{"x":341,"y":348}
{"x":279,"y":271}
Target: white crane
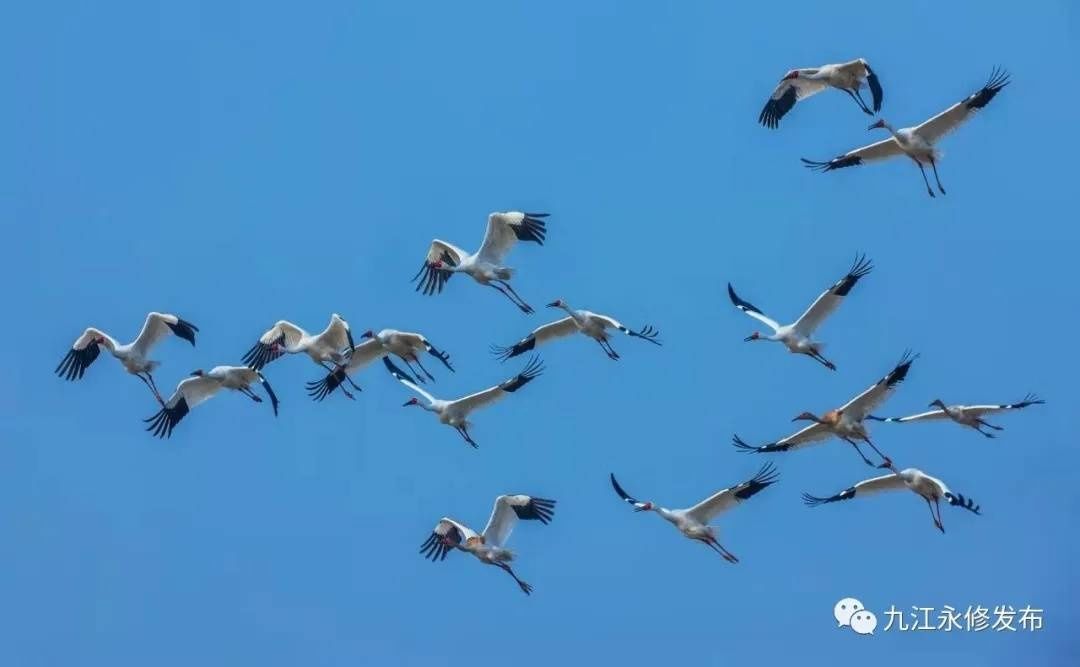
{"x":134,"y":355}
{"x":965,"y":415}
{"x":797,"y":336}
{"x":693,"y":522}
{"x":845,"y":422}
{"x":455,"y":413}
{"x":203,"y":385}
{"x":489,"y":547}
{"x":331,"y":345}
{"x":486,"y":265}
{"x":406,"y":345}
{"x":799,"y":84}
{"x":591,"y":324}
{"x":931,"y":489}
{"x":919,"y":142}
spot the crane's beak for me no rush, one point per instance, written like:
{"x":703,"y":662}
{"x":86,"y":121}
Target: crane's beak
{"x":405,"y":405}
{"x":748,"y":339}
{"x":553,"y":304}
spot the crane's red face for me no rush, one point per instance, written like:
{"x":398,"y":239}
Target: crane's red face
{"x":805,"y":416}
{"x":753,"y":336}
{"x":411,"y":401}
{"x":645,"y":507}
{"x":877,"y":126}
{"x":198,"y":373}
{"x":557,"y":303}
{"x":368,"y":334}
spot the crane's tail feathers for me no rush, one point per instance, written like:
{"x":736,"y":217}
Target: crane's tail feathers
{"x":741,"y":445}
{"x":814,"y":501}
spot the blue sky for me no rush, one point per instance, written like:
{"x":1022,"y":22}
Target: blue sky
{"x":242,"y":162}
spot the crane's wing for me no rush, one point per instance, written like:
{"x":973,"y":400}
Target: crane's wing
{"x":890,"y":482}
{"x":784,"y":97}
{"x":509,"y":509}
{"x":337,"y":335}
{"x":273,"y":344}
{"x":979,"y":410}
{"x":485,"y":398}
{"x":808,"y":435}
{"x":728,"y":498}
{"x":830,"y":299}
{"x":860,"y":406}
{"x":503,"y":229}
{"x":361,"y":355}
{"x":188,"y":394}
{"x":403,"y":377}
{"x":881,"y":150}
{"x":430,"y":279}
{"x":647,"y":332}
{"x":83,"y":352}
{"x":446,"y":535}
{"x":971,"y":410}
{"x":930,"y":415}
{"x":634,"y":502}
{"x":539,"y":335}
{"x":751,"y":310}
{"x":954,"y":116}
{"x":159,"y":325}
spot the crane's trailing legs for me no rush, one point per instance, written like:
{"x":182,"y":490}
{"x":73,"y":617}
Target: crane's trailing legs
{"x":858,"y":100}
{"x":816,"y":356}
{"x":715,"y":546}
{"x":526,"y":588}
{"x":464,"y":431}
{"x":980,"y":422}
{"x":608,"y":350}
{"x":149,"y":380}
{"x":937,"y":517}
{"x":348,"y":394}
{"x":516,"y":298}
{"x":421,"y":367}
{"x":929,"y":190}
{"x":933,"y":164}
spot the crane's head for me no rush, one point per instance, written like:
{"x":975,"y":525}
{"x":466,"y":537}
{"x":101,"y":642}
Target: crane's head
{"x":411,"y":401}
{"x":198,"y":373}
{"x":557,"y":303}
{"x":754,"y":336}
{"x":937,"y":403}
{"x":793,"y":74}
{"x":878,"y":125}
{"x":644,"y":507}
{"x":368,"y":334}
{"x":806,"y":416}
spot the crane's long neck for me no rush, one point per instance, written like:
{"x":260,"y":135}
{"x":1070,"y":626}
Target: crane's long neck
{"x":665,"y":513}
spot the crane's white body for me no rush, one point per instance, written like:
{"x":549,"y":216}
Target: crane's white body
{"x":489,"y":547}
{"x":456,"y":412}
{"x":930,"y":489}
{"x":331,"y":345}
{"x":487,"y":266}
{"x":694,"y":522}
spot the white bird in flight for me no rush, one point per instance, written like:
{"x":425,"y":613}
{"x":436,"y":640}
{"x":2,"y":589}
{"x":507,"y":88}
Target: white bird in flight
{"x":919,"y":142}
{"x":930,"y":489}
{"x":203,"y":385}
{"x":845,"y":422}
{"x":489,"y":547}
{"x":134,"y":355}
{"x":965,"y":415}
{"x":405,"y":345}
{"x":693,"y":522}
{"x":329,"y":346}
{"x":799,"y":84}
{"x":591,"y":324}
{"x":486,"y":265}
{"x":797,"y":337}
{"x":455,"y":413}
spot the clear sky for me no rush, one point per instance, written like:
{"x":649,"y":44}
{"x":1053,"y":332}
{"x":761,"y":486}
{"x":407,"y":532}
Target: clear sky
{"x":242,"y":162}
